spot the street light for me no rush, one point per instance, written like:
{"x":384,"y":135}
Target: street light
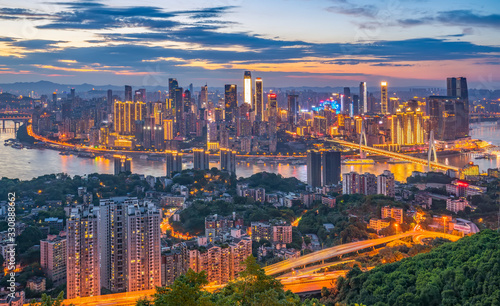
{"x":396,"y":226}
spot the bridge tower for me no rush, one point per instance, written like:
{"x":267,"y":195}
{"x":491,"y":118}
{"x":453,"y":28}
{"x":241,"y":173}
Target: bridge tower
{"x":362,"y":137}
{"x":432,"y":150}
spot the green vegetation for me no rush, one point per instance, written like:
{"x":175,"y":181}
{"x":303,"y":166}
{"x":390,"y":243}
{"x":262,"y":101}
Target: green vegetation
{"x":431,"y":177}
{"x":273,"y":182}
{"x":253,"y":288}
{"x":466,"y":272}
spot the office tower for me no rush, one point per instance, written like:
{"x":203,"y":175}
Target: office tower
{"x":172,"y":85}
{"x":347,"y":100}
{"x":331,"y":167}
{"x":140,"y":95}
{"x":228,"y":160}
{"x":314,"y":168}
{"x":54,"y":99}
{"x":174,"y":162}
{"x":247,"y":89}
{"x":110,"y":101}
{"x":407,"y":126}
{"x":124,"y":117}
{"x":231,"y":103}
{"x":201,"y":159}
{"x":122,"y":164}
{"x":272,"y":107}
{"x":259,"y":100}
{"x":83,"y":270}
{"x":384,"y":98}
{"x":363,"y":98}
{"x":179,"y":111}
{"x":457,"y":87}
{"x":355,"y":106}
{"x":143,"y":247}
{"x":442,"y":114}
{"x":203,"y":97}
{"x":385,"y":184}
{"x":128,"y":93}
{"x":293,"y":109}
{"x":53,"y":258}
{"x":187,"y":101}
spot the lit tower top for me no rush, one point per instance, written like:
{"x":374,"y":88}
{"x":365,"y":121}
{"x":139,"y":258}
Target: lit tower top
{"x":383,"y":98}
{"x":247,"y":88}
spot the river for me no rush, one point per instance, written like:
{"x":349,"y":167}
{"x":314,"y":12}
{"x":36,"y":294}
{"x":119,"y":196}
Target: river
{"x":26,"y":164}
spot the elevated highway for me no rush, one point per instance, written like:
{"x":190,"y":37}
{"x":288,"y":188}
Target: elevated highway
{"x":338,"y":250}
{"x":396,"y":155}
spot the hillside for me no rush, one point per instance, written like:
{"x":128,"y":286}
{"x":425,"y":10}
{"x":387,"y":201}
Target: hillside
{"x":466,"y":272}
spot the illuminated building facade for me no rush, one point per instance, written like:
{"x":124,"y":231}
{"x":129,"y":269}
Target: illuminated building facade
{"x":201,"y":159}
{"x":363,"y":98}
{"x":53,"y":258}
{"x":259,"y":100}
{"x":228,"y":160}
{"x":83,"y":269}
{"x":122,"y":164}
{"x":392,"y":212}
{"x":247,"y":89}
{"x":231,"y":102}
{"x":384,"y":98}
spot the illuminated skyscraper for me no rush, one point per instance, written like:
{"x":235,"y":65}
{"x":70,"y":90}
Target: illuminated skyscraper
{"x":272,"y":108}
{"x":83,"y":269}
{"x":331,"y":167}
{"x":187,"y":101}
{"x":128,"y":93}
{"x":203,"y":97}
{"x":228,"y":160}
{"x":168,"y":129}
{"x":457,"y":87}
{"x":384,"y":99}
{"x":363,"y":98}
{"x":230,"y":99}
{"x":259,"y":100}
{"x":172,"y":85}
{"x":201,"y":159}
{"x":293,"y":109}
{"x":442,"y":112}
{"x":314,"y":168}
{"x":140,"y":95}
{"x":174,"y":162}
{"x":247,"y":89}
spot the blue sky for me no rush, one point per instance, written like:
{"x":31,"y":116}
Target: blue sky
{"x":286,"y":42}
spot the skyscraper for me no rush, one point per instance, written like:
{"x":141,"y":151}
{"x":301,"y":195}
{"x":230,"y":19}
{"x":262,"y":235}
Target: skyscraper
{"x":230,"y":99}
{"x":140,"y":95}
{"x":272,"y":107}
{"x":293,"y":109}
{"x":203,"y":97}
{"x":174,"y":162}
{"x":247,"y":89}
{"x":201,"y":159}
{"x":110,"y":101}
{"x":228,"y":160}
{"x":347,"y":100}
{"x":331,"y":167}
{"x":363,"y":98}
{"x":259,"y":100}
{"x":83,"y":270}
{"x":314,"y":168}
{"x":384,"y":99}
{"x":443,"y":119}
{"x":172,"y":85}
{"x":179,"y":111}
{"x":457,"y":87}
{"x":128,"y":93}
{"x":385,"y":184}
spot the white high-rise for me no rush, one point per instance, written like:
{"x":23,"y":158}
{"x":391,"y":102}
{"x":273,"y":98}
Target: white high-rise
{"x":247,"y":89}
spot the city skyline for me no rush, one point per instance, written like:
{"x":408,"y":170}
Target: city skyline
{"x":119,"y":43}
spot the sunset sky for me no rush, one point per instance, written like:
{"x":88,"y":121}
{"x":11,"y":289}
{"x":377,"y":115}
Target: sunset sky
{"x":286,"y":42}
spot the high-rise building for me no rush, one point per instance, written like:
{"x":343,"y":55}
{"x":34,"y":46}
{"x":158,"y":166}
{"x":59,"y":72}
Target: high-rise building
{"x":172,"y":85}
{"x":53,"y":258}
{"x":128,"y":93}
{"x":140,"y":95}
{"x":122,"y":164}
{"x":293,"y":109}
{"x":353,"y":183}
{"x":247,"y":89}
{"x":457,"y":87}
{"x":201,"y":159}
{"x":347,"y":100}
{"x":203,"y":97}
{"x":174,"y":162}
{"x":231,"y":102}
{"x":272,"y":108}
{"x":259,"y":100}
{"x":363,"y":98}
{"x":407,"y":127}
{"x":314,"y":168}
{"x":331,"y":167}
{"x":168,"y":129}
{"x":187,"y":101}
{"x":110,"y":101}
{"x":179,"y":110}
{"x":385,"y":184}
{"x":83,"y":269}
{"x":228,"y":160}
{"x":444,"y":120}
{"x":384,"y":98}
{"x":143,"y":247}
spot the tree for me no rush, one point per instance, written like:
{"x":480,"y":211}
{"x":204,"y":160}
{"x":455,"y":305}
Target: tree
{"x":49,"y":301}
{"x":186,"y":291}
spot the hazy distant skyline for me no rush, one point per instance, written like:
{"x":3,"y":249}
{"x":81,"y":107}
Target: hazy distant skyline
{"x":286,"y":42}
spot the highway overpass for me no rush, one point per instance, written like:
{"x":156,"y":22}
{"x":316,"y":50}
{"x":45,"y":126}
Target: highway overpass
{"x":347,"y":248}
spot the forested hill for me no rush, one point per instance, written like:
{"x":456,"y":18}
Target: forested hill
{"x":466,"y":272}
